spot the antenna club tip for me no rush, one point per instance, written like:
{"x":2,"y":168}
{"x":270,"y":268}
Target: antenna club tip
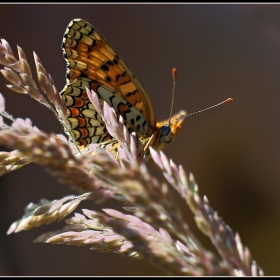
{"x":174,"y":72}
{"x":228,"y":100}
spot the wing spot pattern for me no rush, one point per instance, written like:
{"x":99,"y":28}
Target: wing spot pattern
{"x":92,"y":63}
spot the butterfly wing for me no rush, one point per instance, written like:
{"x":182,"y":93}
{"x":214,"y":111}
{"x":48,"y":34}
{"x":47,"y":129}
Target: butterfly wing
{"x":86,"y":125}
{"x":92,"y":63}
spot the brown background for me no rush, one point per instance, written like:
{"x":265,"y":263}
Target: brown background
{"x":220,"y":51}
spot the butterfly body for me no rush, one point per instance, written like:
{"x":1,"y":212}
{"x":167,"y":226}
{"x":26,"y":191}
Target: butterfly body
{"x":92,"y":63}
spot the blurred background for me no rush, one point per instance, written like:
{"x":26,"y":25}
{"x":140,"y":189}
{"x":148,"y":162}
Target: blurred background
{"x":220,"y":51}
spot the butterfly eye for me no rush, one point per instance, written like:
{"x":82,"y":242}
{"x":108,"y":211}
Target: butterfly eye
{"x":165,"y":130}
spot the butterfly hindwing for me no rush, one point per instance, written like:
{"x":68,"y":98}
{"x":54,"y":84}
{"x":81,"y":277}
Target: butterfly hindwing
{"x":85,"y":124}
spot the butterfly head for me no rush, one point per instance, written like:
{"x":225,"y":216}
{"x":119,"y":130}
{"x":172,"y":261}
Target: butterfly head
{"x":168,"y":130}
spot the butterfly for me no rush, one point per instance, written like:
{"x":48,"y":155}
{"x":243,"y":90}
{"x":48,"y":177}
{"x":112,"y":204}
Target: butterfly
{"x":92,"y":63}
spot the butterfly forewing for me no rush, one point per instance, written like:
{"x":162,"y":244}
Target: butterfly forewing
{"x":91,"y":61}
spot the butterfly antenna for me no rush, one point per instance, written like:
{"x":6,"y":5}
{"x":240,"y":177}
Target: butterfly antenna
{"x":174,"y":76}
{"x":223,"y":102}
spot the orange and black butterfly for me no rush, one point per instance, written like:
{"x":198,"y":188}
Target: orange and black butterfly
{"x":92,"y":63}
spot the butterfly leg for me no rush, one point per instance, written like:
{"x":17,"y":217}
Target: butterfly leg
{"x":150,"y":142}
